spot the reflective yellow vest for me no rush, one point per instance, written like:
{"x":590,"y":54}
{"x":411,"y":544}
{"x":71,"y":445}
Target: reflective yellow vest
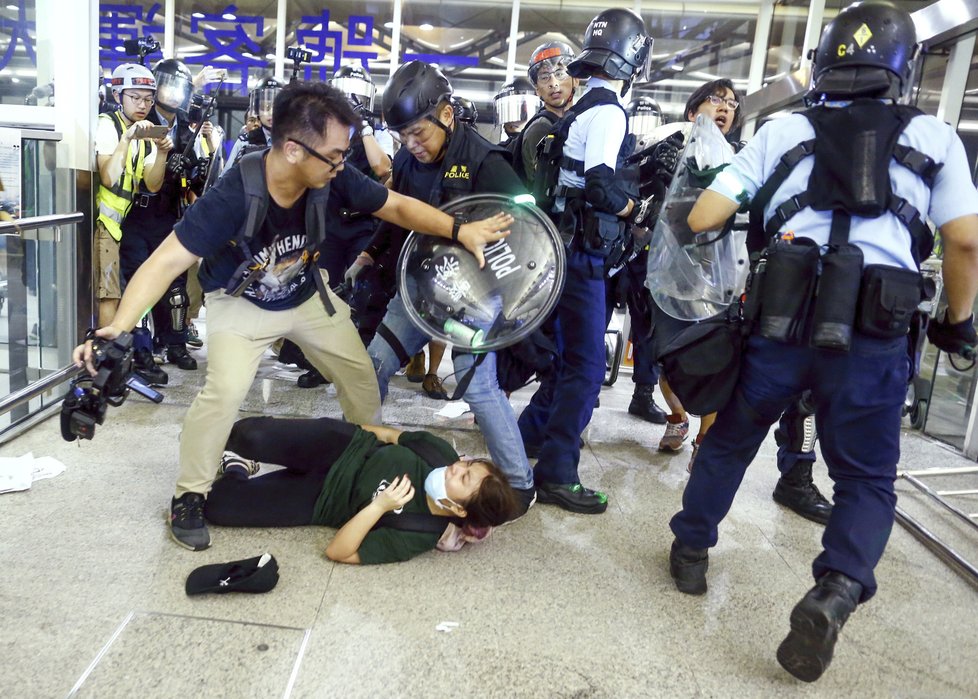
{"x":114,"y":202}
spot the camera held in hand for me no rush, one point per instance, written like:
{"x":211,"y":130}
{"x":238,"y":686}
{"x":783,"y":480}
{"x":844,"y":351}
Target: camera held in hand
{"x":89,"y":396}
{"x":141,"y":46}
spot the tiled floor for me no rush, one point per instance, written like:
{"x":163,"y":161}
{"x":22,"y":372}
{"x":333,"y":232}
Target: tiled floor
{"x":554,"y":605}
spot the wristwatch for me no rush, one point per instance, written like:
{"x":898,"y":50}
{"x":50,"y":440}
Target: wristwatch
{"x":459,"y":221}
{"x":367,"y":130}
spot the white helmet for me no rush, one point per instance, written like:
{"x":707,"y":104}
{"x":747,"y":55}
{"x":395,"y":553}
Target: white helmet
{"x":132,"y":76}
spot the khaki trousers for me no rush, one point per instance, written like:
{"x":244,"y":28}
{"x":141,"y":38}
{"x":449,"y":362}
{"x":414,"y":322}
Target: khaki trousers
{"x":238,"y":333}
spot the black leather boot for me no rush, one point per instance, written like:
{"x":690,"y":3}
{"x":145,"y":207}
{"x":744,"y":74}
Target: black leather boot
{"x":797,"y":491}
{"x":815,"y":624}
{"x":311,"y":379}
{"x":643,"y":405}
{"x":688,"y":566}
{"x":178,"y":354}
{"x":145,"y":368}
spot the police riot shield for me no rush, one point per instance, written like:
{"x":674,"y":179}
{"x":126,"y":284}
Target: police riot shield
{"x":449,"y":298}
{"x":214,"y":169}
{"x":695,"y":276}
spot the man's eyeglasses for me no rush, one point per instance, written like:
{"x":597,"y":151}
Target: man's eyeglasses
{"x":144,"y":101}
{"x":717,"y":100}
{"x":332,"y":164}
{"x":560,"y":74}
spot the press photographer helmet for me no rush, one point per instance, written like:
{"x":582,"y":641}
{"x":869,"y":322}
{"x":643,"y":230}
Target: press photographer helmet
{"x":413,"y":92}
{"x":355,"y":82}
{"x":132,"y":76}
{"x":644,"y":116}
{"x":617,"y":44}
{"x":869,"y":49}
{"x":262,"y":99}
{"x":465,"y":110}
{"x":174,"y":85}
{"x":516,"y":102}
{"x":551,"y":55}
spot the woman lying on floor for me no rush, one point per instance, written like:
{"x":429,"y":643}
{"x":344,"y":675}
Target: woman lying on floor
{"x":358,"y":479}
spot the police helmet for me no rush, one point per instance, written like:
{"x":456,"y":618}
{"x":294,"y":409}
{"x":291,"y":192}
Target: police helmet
{"x":516,"y":102}
{"x":617,"y":44}
{"x":644,"y":116}
{"x":868,"y":49}
{"x":550,"y":54}
{"x":262,"y":98}
{"x":174,"y":84}
{"x":355,"y":82}
{"x":465,"y":110}
{"x":132,"y":76}
{"x":414,"y":91}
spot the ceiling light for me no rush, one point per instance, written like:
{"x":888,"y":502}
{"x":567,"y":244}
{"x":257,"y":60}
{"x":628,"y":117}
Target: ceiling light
{"x":425,"y":27}
{"x":388,"y":25}
{"x":198,"y":15}
{"x":14,"y":80}
{"x":120,"y":49}
{"x":229,"y":16}
{"x":270,"y":56}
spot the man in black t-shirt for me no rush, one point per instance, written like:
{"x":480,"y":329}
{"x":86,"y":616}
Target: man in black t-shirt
{"x":311,"y":135}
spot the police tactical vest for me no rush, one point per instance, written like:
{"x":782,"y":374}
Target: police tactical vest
{"x":550,"y":150}
{"x":114,"y":202}
{"x":853,"y":147}
{"x":467,"y":151}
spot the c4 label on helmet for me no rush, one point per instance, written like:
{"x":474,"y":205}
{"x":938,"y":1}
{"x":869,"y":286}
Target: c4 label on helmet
{"x":862,"y":35}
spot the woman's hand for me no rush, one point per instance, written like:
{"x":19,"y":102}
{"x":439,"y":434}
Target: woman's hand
{"x":396,"y":495}
{"x":476,"y":235}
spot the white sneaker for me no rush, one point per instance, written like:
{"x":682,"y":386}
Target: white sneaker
{"x":229,"y":458}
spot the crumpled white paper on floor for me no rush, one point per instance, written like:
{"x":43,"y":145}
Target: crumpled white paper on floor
{"x":19,"y":472}
{"x":453,"y":409}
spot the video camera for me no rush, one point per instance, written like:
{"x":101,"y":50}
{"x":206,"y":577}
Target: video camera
{"x":142,"y":47}
{"x":298,"y":55}
{"x":89,"y":396}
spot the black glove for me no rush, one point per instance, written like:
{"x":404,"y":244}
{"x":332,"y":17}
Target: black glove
{"x":665,"y":157}
{"x":954,"y":338}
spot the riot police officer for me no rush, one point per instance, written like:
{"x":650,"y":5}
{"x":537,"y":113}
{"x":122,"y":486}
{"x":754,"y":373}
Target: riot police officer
{"x":260,"y":102}
{"x":849,"y":218}
{"x":465,"y":110}
{"x":441,"y":160}
{"x":513,"y":105}
{"x":590,"y":205}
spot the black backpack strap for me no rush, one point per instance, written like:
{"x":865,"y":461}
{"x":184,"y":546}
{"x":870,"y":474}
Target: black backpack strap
{"x":463,"y":384}
{"x":756,"y":234}
{"x":316,"y":203}
{"x":414,"y":522}
{"x":252,"y":168}
{"x":918,"y":163}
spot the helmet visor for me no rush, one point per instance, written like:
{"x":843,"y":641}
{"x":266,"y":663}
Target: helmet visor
{"x":173,"y":92}
{"x":643,"y":73}
{"x":644,"y":123}
{"x":362,"y":90}
{"x":518,"y":107}
{"x":262,"y":101}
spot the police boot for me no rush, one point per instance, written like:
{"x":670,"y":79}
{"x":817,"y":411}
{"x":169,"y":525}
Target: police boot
{"x":815,"y":624}
{"x":178,"y":354}
{"x":145,"y":368}
{"x":311,"y":379}
{"x":643,"y":405}
{"x":688,"y":567}
{"x":797,"y":491}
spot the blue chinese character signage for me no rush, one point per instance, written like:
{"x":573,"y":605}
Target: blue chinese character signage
{"x":21,"y":33}
{"x":328,"y":46}
{"x":118,"y":23}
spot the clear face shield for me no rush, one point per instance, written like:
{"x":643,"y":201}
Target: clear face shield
{"x":173,"y":92}
{"x":262,"y":102}
{"x":642,"y":123}
{"x":361,"y":90}
{"x":515,"y":108}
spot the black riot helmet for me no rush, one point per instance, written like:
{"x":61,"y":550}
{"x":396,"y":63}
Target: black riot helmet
{"x":516,"y":102}
{"x":262,"y":99}
{"x":867,"y":50}
{"x":465,"y":110}
{"x":552,"y":54}
{"x":413,"y":92}
{"x":174,"y":85}
{"x":617,"y":44}
{"x":644,"y":116}
{"x":355,"y":82}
